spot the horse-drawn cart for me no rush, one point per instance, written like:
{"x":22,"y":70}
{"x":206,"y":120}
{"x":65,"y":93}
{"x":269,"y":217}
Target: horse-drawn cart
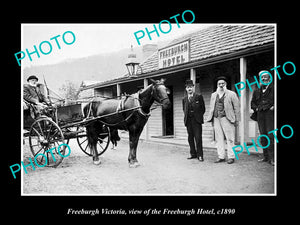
{"x":60,"y":124}
{"x":93,"y":125}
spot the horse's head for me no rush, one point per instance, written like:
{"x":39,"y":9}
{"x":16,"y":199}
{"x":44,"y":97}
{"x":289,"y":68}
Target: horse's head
{"x":160,"y":92}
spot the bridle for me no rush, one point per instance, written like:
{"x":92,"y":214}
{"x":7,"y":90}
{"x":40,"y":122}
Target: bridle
{"x":155,"y":95}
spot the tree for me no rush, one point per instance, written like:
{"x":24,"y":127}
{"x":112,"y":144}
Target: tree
{"x":70,"y":90}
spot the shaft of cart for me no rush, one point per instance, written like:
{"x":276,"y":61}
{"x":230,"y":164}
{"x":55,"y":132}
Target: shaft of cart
{"x":88,"y":120}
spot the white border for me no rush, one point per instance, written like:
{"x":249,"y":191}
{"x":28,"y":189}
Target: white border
{"x":223,"y":194}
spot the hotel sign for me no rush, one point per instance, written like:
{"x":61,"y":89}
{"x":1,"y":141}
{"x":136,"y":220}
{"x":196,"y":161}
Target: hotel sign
{"x":174,"y":55}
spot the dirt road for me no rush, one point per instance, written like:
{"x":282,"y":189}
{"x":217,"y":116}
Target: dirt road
{"x":163,"y":170}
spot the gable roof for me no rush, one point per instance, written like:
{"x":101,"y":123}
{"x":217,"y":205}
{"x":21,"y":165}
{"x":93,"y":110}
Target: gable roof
{"x":208,"y":43}
{"x":219,"y":40}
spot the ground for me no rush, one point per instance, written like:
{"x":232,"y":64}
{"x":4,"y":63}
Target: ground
{"x":164,"y":170}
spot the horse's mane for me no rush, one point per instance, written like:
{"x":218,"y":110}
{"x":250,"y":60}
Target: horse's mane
{"x":141,"y":92}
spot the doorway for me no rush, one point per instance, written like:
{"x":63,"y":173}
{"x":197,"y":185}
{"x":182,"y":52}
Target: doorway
{"x":168,"y":116}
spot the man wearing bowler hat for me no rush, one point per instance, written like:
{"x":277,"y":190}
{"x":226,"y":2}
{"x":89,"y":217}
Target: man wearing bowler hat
{"x":193,"y":108}
{"x":224,"y":114}
{"x":34,"y":94}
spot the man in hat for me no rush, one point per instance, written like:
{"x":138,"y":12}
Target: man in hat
{"x":224,"y":114}
{"x":193,"y":108}
{"x":263,"y":103}
{"x":34,"y":93}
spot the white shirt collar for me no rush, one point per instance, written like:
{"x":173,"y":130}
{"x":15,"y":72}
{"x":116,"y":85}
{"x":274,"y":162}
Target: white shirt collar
{"x":263,"y":90}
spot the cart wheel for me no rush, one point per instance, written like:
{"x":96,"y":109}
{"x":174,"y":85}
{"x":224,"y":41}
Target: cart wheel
{"x":102,"y":143}
{"x":45,"y":135}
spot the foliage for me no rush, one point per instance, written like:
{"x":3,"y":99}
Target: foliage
{"x":70,"y":90}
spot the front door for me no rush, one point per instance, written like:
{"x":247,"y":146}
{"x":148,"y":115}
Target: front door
{"x":168,"y":116}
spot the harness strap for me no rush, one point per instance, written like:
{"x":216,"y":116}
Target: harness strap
{"x":138,"y":103}
{"x":121,"y":105}
{"x":90,"y":108}
{"x":115,"y":124}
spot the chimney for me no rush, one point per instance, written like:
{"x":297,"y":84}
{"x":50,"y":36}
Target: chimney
{"x":148,"y":50}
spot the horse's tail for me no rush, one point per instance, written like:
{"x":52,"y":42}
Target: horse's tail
{"x":87,"y":109}
{"x":90,"y":108}
{"x":94,"y":128}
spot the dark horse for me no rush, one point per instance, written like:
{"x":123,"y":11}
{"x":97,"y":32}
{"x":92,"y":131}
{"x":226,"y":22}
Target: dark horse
{"x":132,"y":121}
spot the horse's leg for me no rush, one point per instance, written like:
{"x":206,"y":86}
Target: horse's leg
{"x":114,"y":138}
{"x":92,"y":131}
{"x":134,"y":136}
{"x":96,"y":159}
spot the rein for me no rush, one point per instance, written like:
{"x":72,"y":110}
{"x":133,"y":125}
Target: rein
{"x":153,"y":93}
{"x":156,"y":98}
{"x":137,"y":103}
{"x":136,"y":108}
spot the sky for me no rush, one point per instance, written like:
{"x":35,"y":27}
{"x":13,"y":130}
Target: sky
{"x":90,"y":39}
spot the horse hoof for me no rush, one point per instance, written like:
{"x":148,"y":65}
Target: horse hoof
{"x":134,"y":165}
{"x":97,"y":162}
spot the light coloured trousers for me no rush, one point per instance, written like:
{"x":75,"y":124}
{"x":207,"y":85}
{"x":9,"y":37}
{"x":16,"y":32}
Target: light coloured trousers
{"x":223,"y":128}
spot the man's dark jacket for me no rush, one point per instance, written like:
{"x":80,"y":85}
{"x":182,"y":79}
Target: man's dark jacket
{"x":263,"y":101}
{"x":198,"y":107}
{"x":35,"y":94}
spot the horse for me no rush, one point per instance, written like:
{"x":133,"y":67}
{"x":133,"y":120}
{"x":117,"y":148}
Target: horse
{"x":132,"y":121}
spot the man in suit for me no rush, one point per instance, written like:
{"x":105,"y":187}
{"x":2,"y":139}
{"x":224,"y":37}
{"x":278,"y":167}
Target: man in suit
{"x":224,"y":114}
{"x":263,"y":103}
{"x":193,"y":108}
{"x":34,"y":94}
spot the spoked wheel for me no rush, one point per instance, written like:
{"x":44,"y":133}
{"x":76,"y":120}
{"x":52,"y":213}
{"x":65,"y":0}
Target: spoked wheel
{"x":102,"y":143}
{"x":47,"y":142}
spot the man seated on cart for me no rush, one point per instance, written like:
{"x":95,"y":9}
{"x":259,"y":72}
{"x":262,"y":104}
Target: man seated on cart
{"x":35,"y":99}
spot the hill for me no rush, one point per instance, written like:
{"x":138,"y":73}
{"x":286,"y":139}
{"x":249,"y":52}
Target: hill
{"x":99,"y":67}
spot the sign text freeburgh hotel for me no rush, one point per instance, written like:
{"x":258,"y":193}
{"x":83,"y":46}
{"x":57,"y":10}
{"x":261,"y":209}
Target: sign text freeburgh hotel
{"x":174,"y":55}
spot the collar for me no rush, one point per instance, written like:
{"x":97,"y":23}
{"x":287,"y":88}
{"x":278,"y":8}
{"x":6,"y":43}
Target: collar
{"x":263,"y":90}
{"x":138,"y":104}
{"x":190,"y":95}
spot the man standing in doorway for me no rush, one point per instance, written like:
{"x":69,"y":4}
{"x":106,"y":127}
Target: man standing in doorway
{"x":193,"y":108}
{"x":263,"y":103}
{"x":224,"y":114}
